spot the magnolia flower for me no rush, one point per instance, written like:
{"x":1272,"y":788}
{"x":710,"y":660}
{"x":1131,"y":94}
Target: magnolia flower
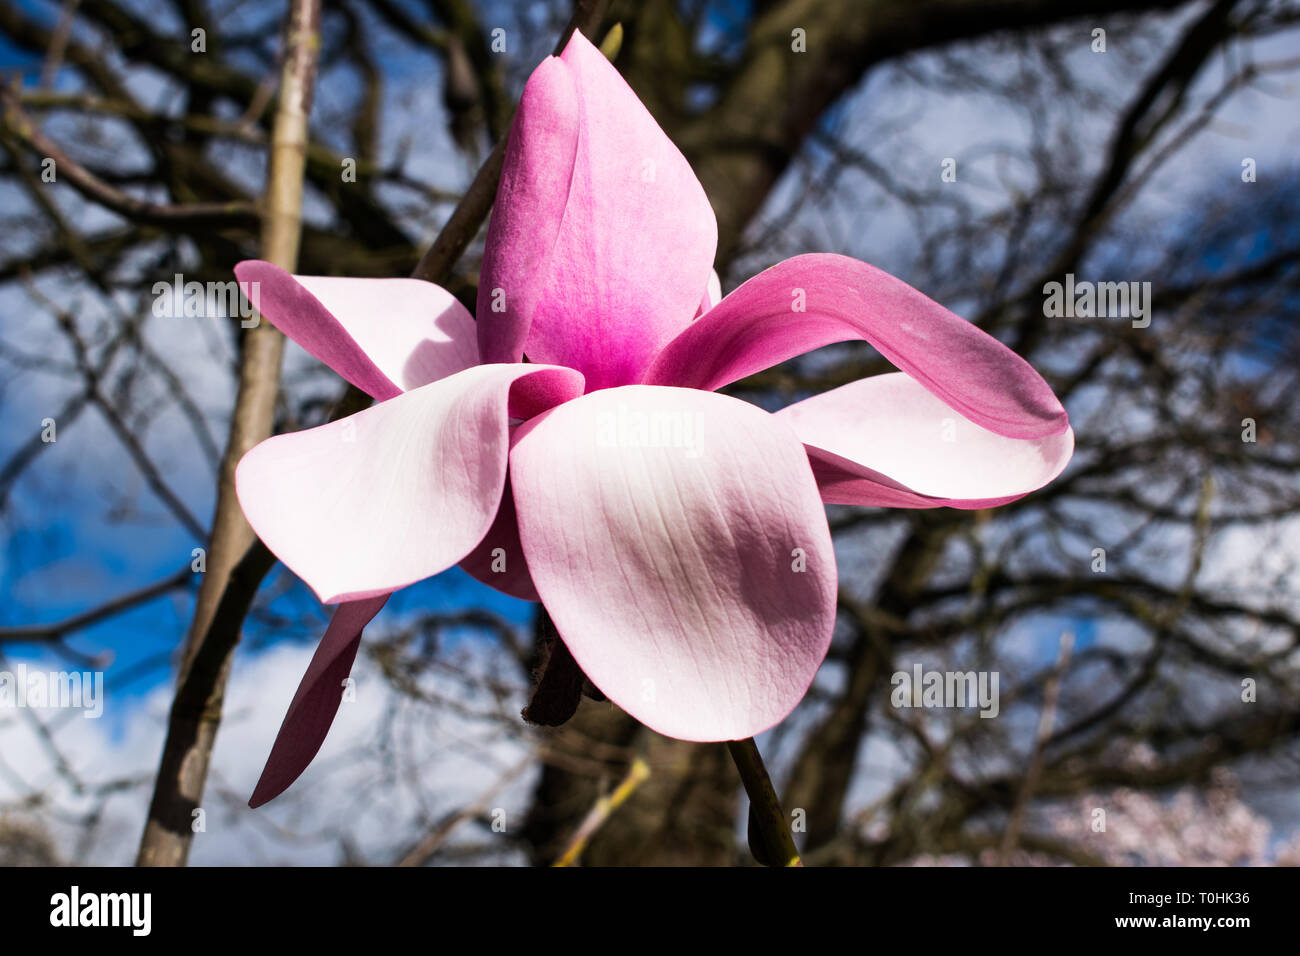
{"x":676,"y":536}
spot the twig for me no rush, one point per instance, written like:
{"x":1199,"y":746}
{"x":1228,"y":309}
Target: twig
{"x":420,"y":854}
{"x":1051,"y":694}
{"x":466,"y":219}
{"x":27,"y":452}
{"x":95,"y":189}
{"x":77,"y":622}
{"x":58,"y":44}
{"x":602,"y":810}
{"x":134,"y":447}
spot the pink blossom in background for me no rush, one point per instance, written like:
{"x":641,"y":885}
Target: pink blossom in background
{"x":1194,"y":826}
{"x":676,"y":536}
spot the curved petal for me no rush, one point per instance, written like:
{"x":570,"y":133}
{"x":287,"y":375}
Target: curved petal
{"x":810,"y":301}
{"x":602,"y":239}
{"x":712,"y":294}
{"x":398,"y":492}
{"x":499,"y":561}
{"x":315,"y":703}
{"x":887,"y":441}
{"x":385,"y":336}
{"x":529,"y":207}
{"x":677,"y":539}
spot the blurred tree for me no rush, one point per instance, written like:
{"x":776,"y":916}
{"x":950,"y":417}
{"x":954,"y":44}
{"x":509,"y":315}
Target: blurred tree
{"x":795,"y":116}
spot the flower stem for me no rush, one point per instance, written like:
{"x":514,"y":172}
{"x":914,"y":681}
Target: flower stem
{"x":769,"y":837}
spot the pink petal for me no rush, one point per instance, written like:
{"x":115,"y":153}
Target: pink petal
{"x":759,"y":325}
{"x":385,"y":336}
{"x":535,"y":177}
{"x":400,"y":491}
{"x":887,"y":441}
{"x":712,"y":294}
{"x":498,"y":561}
{"x":667,"y":558}
{"x":602,"y":239}
{"x":312,"y":710}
